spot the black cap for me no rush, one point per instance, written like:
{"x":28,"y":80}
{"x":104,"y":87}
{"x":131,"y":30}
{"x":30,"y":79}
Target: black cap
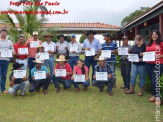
{"x":17,"y":65}
{"x":107,"y":35}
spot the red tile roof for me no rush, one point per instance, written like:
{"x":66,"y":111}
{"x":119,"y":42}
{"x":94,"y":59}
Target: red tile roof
{"x":75,"y":25}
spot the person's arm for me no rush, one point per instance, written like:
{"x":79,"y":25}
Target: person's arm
{"x":115,"y":49}
{"x":12,"y":80}
{"x":94,"y":76}
{"x":69,"y":70}
{"x":74,"y":73}
{"x":86,"y":76}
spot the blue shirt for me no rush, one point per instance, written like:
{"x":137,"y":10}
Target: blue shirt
{"x":111,"y":46}
{"x":43,"y":68}
{"x":107,"y":68}
{"x":95,"y":44}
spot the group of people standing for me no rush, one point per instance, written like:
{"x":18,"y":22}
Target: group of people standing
{"x":71,"y":66}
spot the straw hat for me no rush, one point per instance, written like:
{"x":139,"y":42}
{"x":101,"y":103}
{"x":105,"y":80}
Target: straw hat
{"x":39,"y":61}
{"x":35,"y":33}
{"x":61,"y":58}
{"x":101,"y":58}
{"x":40,"y":46}
{"x":48,"y":35}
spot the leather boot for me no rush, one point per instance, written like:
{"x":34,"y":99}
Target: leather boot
{"x":131,"y":91}
{"x":140,"y":92}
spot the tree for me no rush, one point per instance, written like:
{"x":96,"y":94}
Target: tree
{"x":134,"y":15}
{"x":82,"y":38}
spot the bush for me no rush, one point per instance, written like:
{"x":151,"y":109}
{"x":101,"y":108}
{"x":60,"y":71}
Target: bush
{"x":117,"y":61}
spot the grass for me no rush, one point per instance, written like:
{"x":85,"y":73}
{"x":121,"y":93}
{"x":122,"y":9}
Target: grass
{"x":68,"y":106}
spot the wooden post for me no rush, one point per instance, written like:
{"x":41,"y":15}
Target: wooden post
{"x":136,"y":30}
{"x":161,"y":24}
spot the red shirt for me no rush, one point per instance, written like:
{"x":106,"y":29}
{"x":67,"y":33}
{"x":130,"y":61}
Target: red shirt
{"x":16,"y":46}
{"x":158,"y":49}
{"x":67,"y":67}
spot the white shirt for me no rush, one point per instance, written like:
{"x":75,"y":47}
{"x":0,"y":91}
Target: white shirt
{"x":49,"y":47}
{"x":74,"y":47}
{"x":61,"y":49}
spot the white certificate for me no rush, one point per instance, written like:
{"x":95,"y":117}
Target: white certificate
{"x":106,"y":53}
{"x":74,"y":48}
{"x":123,"y":51}
{"x":90,"y":52}
{"x":149,"y":56}
{"x":133,"y":57}
{"x":6,"y":53}
{"x":34,"y":44}
{"x":40,"y":75}
{"x":60,"y":72}
{"x":79,"y":78}
{"x":49,"y":48}
{"x":101,"y":76}
{"x":19,"y":73}
{"x":23,"y":51}
{"x":44,"y":56}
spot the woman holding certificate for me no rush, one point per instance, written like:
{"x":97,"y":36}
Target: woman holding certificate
{"x":138,"y":67}
{"x":155,"y":68}
{"x":80,"y":76}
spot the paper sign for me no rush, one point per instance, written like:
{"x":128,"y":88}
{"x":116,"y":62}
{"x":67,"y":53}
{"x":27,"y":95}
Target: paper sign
{"x":74,"y":48}
{"x":90,"y":52}
{"x":149,"y":56}
{"x":34,"y":44}
{"x":19,"y":73}
{"x":101,"y":76}
{"x":79,"y":78}
{"x":6,"y":53}
{"x":40,"y":75}
{"x":49,"y":48}
{"x":23,"y":51}
{"x":60,"y":72}
{"x":106,"y":53}
{"x":133,"y":57}
{"x":123,"y":51}
{"x":44,"y":56}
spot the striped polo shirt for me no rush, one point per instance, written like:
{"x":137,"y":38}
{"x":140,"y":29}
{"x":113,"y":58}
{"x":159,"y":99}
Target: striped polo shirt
{"x":111,"y":46}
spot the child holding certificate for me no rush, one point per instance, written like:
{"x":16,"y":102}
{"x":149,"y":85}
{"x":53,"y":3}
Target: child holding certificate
{"x":80,"y":76}
{"x":17,"y":83}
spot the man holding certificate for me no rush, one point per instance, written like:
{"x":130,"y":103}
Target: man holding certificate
{"x":62,"y":73}
{"x":18,"y":80}
{"x":74,"y":51}
{"x":40,"y":77}
{"x":6,"y":52}
{"x":104,"y":75}
{"x":80,"y":76}
{"x":32,"y":47}
{"x":91,"y":47}
{"x":21,"y":50}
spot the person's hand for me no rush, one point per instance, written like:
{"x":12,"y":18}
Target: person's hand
{"x":57,"y":47}
{"x":72,"y":77}
{"x":27,"y":55}
{"x":66,"y":48}
{"x":158,"y":56}
{"x":73,"y":51}
{"x":13,"y":78}
{"x":25,"y":78}
{"x":33,"y":78}
{"x":86,"y":78}
{"x":141,"y":59}
{"x":47,"y":75}
{"x":141,"y":54}
{"x":109,"y":76}
{"x":95,"y":58}
{"x":94,"y":77}
{"x":13,"y":52}
{"x":87,"y":48}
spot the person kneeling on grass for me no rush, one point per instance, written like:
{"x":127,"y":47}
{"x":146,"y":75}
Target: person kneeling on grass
{"x":80,"y":69}
{"x":17,"y":83}
{"x":109,"y":80}
{"x":40,"y":81}
{"x":63,"y":74}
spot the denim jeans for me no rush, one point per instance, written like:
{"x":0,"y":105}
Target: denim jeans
{"x":36,"y":85}
{"x":112,"y":64}
{"x":3,"y":72}
{"x":73,"y":61}
{"x":57,"y":80}
{"x":153,"y":73}
{"x":135,"y":71}
{"x":89,"y":60}
{"x":31,"y":65}
{"x":22,"y":86}
{"x":25,"y":62}
{"x":110,"y":83}
{"x":86,"y":83}
{"x":50,"y":62}
{"x":125,"y":72}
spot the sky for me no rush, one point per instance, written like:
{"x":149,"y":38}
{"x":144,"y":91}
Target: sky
{"x":104,"y":11}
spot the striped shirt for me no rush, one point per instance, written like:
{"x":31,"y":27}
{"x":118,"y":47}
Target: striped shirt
{"x":111,"y":46}
{"x":74,"y":47}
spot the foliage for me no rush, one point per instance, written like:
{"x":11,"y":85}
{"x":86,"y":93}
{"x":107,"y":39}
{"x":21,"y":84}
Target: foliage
{"x":117,"y":61}
{"x":82,"y":38}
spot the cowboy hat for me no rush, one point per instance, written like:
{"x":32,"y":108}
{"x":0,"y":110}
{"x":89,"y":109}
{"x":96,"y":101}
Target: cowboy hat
{"x":48,"y":35}
{"x":90,"y":32}
{"x":39,"y":61}
{"x":17,"y":65}
{"x":58,"y":37}
{"x":35,"y":33}
{"x":40,"y":46}
{"x":61,"y":58}
{"x":101,"y":58}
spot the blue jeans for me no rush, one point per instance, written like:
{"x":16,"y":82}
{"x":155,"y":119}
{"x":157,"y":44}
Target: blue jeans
{"x":153,"y":74}
{"x":110,"y":83}
{"x":66,"y":83}
{"x":112,"y":64}
{"x":89,"y":60}
{"x":31,"y":65}
{"x":22,"y":86}
{"x":3,"y":72}
{"x":135,"y":71}
{"x":86,"y":83}
{"x":50,"y":62}
{"x":73,"y":61}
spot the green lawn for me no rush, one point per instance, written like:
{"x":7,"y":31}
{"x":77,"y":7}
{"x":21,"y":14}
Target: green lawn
{"x":68,"y":106}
